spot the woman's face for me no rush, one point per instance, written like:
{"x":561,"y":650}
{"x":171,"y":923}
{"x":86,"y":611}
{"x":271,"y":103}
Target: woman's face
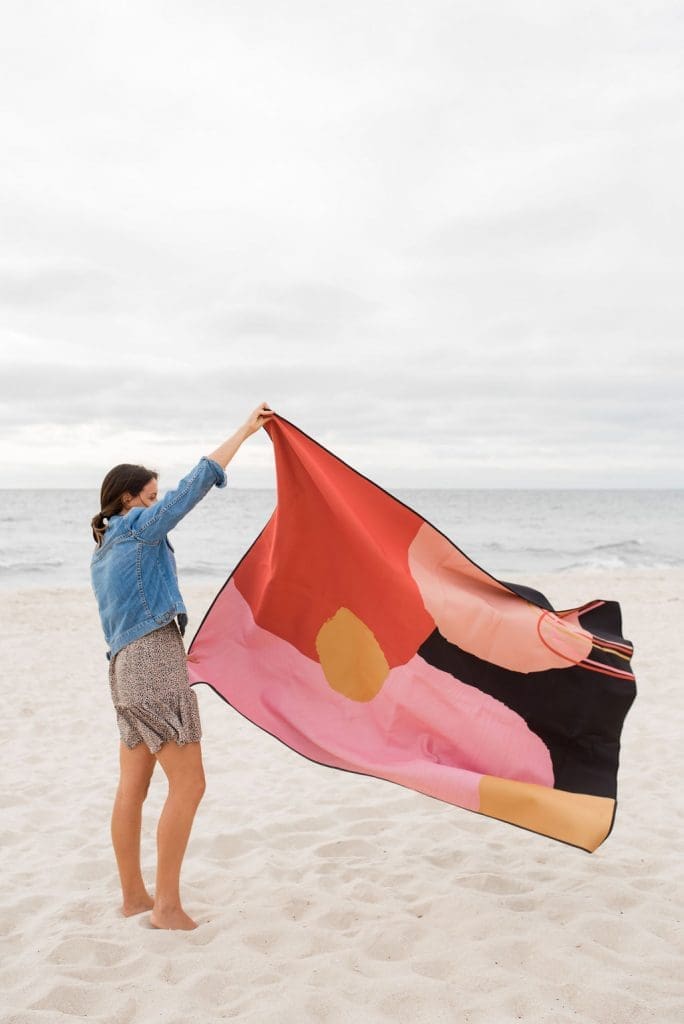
{"x":147,"y":497}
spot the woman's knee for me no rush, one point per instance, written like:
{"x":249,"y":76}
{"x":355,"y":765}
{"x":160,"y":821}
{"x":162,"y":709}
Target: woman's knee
{"x":133,"y":793}
{"x":191,"y":786}
{"x":182,"y":764}
{"x":137,"y":765}
{"x":192,"y":777}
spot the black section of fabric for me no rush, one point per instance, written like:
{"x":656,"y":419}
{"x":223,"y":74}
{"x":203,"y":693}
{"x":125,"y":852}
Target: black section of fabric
{"x":577,"y":713}
{"x":535,"y":596}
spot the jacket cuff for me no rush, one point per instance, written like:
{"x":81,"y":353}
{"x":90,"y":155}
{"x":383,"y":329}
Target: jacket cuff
{"x":219,"y":471}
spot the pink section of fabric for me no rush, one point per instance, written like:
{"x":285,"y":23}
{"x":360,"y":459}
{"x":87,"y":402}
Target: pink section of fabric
{"x":425,"y":729}
{"x":482,"y":617}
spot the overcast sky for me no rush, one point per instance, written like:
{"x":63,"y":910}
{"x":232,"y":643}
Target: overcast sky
{"x":443,"y":238}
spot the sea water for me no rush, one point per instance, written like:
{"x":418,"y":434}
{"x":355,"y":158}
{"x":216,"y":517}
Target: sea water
{"x":46,"y":540}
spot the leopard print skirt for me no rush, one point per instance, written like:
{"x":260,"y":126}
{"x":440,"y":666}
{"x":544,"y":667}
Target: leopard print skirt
{"x":151,"y":691}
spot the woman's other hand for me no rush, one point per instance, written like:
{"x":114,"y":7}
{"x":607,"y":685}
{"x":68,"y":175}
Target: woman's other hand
{"x":261,"y":415}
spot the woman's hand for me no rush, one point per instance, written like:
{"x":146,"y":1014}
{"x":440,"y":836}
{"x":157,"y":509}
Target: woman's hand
{"x":225,"y":452}
{"x":261,"y":415}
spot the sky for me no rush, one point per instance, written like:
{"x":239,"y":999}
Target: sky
{"x":442,"y":238}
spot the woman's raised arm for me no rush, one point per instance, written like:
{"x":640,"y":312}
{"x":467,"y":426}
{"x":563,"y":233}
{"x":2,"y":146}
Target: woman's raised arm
{"x":225,"y":452}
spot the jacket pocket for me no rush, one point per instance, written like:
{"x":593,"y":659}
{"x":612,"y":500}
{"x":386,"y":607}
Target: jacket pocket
{"x":158,"y":597}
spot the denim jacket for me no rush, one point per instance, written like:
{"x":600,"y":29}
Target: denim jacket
{"x":133,"y":573}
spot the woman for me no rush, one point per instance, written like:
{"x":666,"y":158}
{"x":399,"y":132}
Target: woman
{"x":133,"y":574}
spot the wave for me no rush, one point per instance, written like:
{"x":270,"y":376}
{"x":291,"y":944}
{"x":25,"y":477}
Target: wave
{"x":19,"y":567}
{"x":620,"y":563}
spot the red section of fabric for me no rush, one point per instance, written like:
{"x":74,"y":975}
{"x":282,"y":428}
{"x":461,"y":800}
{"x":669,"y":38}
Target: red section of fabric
{"x":323,"y":551}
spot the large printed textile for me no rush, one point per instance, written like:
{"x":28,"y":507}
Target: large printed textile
{"x":362,"y":637}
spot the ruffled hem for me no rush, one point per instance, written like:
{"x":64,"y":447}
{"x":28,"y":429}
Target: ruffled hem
{"x":154,"y":723}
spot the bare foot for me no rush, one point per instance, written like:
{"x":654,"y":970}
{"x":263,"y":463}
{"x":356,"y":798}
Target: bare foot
{"x":137,"y":906}
{"x":172,"y":918}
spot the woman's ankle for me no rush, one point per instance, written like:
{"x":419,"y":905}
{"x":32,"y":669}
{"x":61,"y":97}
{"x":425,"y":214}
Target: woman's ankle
{"x":167,"y":904}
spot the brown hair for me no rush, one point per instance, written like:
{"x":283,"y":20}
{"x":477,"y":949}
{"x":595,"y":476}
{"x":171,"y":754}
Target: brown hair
{"x":117,"y":481}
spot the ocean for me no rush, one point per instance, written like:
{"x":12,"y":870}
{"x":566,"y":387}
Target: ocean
{"x":45,"y":537}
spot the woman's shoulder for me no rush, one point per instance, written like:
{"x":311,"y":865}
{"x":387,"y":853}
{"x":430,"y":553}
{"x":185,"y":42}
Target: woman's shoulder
{"x":116,"y":529}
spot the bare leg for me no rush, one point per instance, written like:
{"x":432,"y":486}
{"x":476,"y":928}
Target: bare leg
{"x":136,"y":767}
{"x":184,"y":770}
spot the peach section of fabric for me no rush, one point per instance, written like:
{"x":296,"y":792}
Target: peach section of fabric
{"x":482,"y":617}
{"x":424,"y":729}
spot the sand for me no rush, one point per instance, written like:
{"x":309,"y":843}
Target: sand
{"x":324,"y":896}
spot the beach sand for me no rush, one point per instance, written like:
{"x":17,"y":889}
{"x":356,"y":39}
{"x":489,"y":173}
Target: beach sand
{"x":321,"y":895}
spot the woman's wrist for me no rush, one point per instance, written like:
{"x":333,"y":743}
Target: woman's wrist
{"x":225,"y":452}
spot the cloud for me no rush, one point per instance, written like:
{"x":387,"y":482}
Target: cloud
{"x":433,"y":235}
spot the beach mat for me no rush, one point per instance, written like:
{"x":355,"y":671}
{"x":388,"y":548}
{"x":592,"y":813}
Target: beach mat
{"x":361,"y":636}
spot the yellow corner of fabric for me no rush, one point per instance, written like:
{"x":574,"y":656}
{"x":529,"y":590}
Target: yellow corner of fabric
{"x":577,"y":818}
